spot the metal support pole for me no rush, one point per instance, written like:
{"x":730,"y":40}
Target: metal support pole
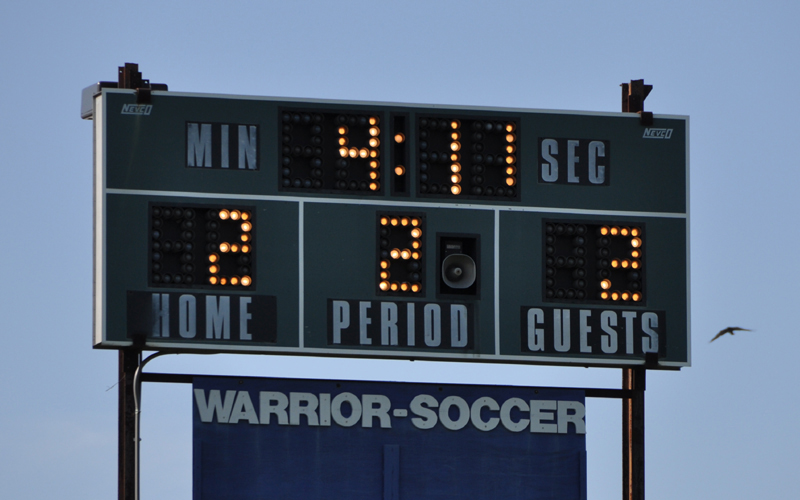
{"x":633,"y":379}
{"x":129,"y":360}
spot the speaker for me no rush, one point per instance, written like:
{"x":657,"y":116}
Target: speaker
{"x":459,"y":271}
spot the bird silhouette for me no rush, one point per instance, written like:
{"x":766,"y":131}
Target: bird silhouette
{"x":730,"y":330}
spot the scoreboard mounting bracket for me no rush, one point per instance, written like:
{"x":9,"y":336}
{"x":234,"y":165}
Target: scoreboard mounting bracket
{"x":633,"y":96}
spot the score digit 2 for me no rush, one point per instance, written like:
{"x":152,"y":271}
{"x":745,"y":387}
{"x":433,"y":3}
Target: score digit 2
{"x":202,"y":247}
{"x":594,"y":262}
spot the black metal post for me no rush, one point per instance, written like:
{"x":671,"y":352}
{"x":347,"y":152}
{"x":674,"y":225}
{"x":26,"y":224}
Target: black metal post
{"x":129,"y":360}
{"x":633,"y":379}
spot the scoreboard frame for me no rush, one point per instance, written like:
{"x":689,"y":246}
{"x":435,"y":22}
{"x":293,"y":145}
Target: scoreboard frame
{"x":557,"y":174}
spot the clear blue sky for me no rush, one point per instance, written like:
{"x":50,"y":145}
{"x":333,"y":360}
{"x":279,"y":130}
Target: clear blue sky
{"x":723,"y":428}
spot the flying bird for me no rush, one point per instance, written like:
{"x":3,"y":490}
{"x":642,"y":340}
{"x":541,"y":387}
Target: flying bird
{"x":730,"y":330}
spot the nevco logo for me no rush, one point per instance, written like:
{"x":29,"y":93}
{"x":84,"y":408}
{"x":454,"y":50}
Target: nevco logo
{"x":137,"y":109}
{"x":657,"y":133}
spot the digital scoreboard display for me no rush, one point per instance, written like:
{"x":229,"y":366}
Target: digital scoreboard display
{"x":240,"y":224}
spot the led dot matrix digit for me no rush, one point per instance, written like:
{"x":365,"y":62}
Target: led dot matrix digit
{"x":202,"y":246}
{"x":330,"y":151}
{"x":593,"y":262}
{"x":400,"y":254}
{"x":464,"y":157}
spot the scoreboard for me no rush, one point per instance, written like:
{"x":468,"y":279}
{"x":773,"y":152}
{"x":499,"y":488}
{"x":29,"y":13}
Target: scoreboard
{"x":270,"y":225}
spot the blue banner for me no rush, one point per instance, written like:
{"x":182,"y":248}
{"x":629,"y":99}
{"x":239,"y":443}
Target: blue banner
{"x":261,"y":438}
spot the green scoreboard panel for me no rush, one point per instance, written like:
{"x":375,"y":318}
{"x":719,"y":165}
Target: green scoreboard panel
{"x":264,"y":225}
